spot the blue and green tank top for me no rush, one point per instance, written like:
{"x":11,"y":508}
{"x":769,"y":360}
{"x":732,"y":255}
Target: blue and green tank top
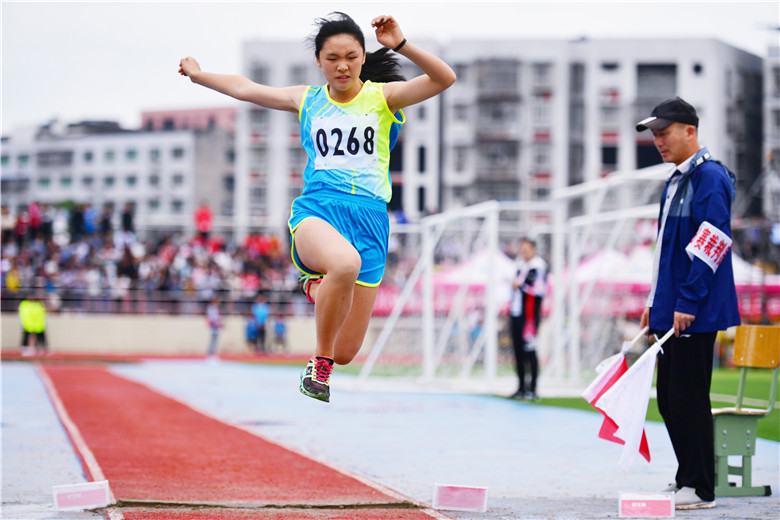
{"x":348,"y":144}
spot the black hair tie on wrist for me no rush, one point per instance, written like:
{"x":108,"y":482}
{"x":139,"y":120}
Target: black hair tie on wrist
{"x":398,"y":48}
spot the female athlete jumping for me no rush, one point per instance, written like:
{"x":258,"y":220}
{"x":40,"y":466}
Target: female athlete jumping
{"x":339,"y":225}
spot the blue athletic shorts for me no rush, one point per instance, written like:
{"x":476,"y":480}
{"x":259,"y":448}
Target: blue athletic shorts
{"x":361,"y":220}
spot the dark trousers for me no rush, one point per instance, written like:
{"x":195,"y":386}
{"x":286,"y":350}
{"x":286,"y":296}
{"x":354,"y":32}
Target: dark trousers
{"x":523,"y":356}
{"x":684,"y":376}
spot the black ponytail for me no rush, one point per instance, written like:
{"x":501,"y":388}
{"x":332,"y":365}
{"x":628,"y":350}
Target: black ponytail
{"x":379,"y":67}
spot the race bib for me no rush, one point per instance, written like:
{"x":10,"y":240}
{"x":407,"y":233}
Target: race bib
{"x":345,"y":142}
{"x":709,"y":245}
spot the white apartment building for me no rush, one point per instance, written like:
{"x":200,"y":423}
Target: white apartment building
{"x":528,"y":116}
{"x":164,"y":174}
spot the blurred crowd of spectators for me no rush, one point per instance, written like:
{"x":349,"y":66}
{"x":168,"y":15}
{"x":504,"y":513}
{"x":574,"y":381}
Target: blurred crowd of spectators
{"x":75,"y":260}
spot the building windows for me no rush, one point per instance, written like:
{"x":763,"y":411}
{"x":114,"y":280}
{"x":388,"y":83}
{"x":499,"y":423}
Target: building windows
{"x":177,"y":180}
{"x":154,"y":180}
{"x":49,"y":158}
{"x":397,"y":158}
{"x":177,"y":206}
{"x":153,"y":205}
{"x":109,"y":181}
{"x":646,"y":155}
{"x":131,"y":181}
{"x":259,"y":73}
{"x":461,"y":71}
{"x":229,"y":183}
{"x":178,"y":152}
{"x":775,"y":122}
{"x":541,"y":193}
{"x":154,"y":155}
{"x":258,"y":118}
{"x":23,"y":159}
{"x":461,"y":112}
{"x":131,"y":154}
{"x":775,"y":81}
{"x":5,"y":160}
{"x":44,"y":183}
{"x":298,"y":75}
{"x":541,"y":114}
{"x":88,"y":181}
{"x":609,"y":158}
{"x":541,"y":74}
{"x":656,"y":82}
{"x":461,"y":158}
{"x":109,"y":156}
{"x":421,"y":159}
{"x":66,"y":182}
{"x":610,"y":116}
{"x":541,"y":157}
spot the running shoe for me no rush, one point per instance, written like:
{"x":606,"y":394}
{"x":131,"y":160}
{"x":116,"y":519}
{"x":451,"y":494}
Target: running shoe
{"x":305,"y":281}
{"x":315,"y":379}
{"x":686,"y":498}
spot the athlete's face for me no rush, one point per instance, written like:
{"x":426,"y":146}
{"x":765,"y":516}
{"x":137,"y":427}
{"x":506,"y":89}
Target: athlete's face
{"x":341,"y":59}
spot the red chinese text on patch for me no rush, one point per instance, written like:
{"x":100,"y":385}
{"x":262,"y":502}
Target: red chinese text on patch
{"x":709,"y":245}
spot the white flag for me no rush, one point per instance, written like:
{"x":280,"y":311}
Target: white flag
{"x":626,"y":401}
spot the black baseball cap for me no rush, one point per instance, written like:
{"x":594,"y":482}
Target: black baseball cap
{"x":675,"y":110}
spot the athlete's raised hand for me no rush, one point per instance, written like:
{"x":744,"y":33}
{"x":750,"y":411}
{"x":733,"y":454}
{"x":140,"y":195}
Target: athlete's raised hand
{"x":388,"y":32}
{"x":188,"y":66}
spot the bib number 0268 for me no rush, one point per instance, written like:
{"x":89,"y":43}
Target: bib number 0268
{"x":338,"y":145}
{"x":352,"y":143}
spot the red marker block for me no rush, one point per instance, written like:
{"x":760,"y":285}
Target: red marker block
{"x":460,"y":498}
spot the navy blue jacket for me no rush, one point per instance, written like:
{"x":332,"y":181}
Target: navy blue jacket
{"x":704,"y":193}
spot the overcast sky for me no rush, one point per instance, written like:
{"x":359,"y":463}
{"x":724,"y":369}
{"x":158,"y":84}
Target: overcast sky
{"x":112,"y":60}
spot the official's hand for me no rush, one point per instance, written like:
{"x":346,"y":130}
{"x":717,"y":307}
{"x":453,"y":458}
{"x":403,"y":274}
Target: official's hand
{"x":681,"y":322}
{"x":644,"y":321}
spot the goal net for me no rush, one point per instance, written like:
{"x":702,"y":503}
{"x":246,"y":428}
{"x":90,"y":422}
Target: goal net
{"x":441,"y":315}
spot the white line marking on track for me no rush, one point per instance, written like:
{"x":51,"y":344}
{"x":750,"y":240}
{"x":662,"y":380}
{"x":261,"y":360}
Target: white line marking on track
{"x":74,"y":433}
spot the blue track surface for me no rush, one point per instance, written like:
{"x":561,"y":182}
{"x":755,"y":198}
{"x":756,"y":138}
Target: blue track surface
{"x":538,"y":462}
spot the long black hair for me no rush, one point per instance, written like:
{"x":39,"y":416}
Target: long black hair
{"x":380,"y":66}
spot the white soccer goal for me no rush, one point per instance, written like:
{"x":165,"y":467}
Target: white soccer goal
{"x":448,"y":283}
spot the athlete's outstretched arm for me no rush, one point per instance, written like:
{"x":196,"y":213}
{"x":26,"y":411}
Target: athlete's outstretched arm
{"x":244,"y":89}
{"x":437,"y":75}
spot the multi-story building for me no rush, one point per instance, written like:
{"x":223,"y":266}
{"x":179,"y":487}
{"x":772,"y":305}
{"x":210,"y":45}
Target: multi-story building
{"x":165,"y":175}
{"x":528,"y":116}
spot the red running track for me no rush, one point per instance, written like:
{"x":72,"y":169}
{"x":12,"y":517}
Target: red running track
{"x":159,"y":455}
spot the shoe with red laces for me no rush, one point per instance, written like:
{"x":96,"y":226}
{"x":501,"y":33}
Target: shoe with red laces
{"x":305,"y":281}
{"x":315,"y":379}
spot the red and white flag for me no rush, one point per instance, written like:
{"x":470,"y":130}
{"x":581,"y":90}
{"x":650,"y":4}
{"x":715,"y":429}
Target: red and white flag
{"x":622,"y":394}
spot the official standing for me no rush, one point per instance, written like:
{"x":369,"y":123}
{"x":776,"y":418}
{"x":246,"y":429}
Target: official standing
{"x":692,"y":290}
